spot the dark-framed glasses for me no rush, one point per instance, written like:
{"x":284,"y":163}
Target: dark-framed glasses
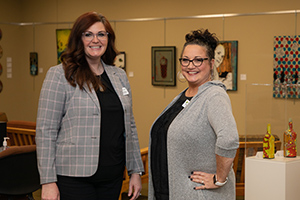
{"x":89,"y":36}
{"x":197,"y":62}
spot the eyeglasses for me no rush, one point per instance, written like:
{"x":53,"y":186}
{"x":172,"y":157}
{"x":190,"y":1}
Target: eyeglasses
{"x":197,"y":62}
{"x":89,"y":36}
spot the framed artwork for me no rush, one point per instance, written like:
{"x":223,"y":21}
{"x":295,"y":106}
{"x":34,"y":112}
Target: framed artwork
{"x":1,"y":86}
{"x":62,"y":38}
{"x":1,"y":52}
{"x":33,"y":63}
{"x":0,"y":34}
{"x":286,"y":72}
{"x":225,"y":65}
{"x":120,"y":61}
{"x":163,"y":65}
{"x":1,"y":69}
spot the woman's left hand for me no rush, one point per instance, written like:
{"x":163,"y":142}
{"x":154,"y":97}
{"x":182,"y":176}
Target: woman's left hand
{"x":207,"y":180}
{"x":135,"y":186}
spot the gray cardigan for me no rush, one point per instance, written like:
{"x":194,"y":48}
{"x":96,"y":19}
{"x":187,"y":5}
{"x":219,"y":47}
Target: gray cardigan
{"x":204,"y":128}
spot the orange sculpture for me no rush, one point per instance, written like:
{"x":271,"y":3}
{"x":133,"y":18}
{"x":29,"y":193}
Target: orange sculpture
{"x":290,"y":141}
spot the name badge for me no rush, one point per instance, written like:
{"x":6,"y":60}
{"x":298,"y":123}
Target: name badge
{"x":185,"y":103}
{"x":125,"y":91}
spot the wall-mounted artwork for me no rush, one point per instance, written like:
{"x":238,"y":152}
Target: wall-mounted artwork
{"x":225,"y":65}
{"x":33,"y":63}
{"x":62,"y":37}
{"x":1,"y":52}
{"x":1,"y":86}
{"x":0,"y":34}
{"x":120,"y":61}
{"x":164,"y":66}
{"x":1,"y":69}
{"x":286,"y":76}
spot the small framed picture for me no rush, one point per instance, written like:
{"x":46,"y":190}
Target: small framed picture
{"x":33,"y":63}
{"x":163,"y":65}
{"x":120,"y":61}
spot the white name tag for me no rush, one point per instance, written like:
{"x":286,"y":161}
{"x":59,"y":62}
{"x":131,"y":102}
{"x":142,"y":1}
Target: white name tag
{"x":125,"y":91}
{"x":185,"y":103}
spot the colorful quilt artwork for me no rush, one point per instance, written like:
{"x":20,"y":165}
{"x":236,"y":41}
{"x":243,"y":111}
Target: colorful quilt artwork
{"x":286,"y":83}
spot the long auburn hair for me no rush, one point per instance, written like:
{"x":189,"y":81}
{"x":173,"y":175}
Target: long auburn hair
{"x":76,"y":67}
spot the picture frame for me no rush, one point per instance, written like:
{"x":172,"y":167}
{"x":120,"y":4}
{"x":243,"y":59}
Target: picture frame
{"x":163,"y":64}
{"x":33,"y":57}
{"x":120,"y":60}
{"x":62,"y":39}
{"x":225,"y":65}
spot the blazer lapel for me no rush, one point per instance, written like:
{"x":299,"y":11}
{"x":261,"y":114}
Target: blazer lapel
{"x":116,"y":82}
{"x":92,"y":95}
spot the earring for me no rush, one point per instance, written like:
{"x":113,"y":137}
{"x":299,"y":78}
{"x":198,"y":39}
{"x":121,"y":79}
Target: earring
{"x":180,"y":77}
{"x":212,"y":75}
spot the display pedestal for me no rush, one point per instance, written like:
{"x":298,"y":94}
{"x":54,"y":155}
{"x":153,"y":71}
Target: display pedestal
{"x":276,"y":179}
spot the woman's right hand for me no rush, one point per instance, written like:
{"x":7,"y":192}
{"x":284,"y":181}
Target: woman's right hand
{"x":50,"y":192}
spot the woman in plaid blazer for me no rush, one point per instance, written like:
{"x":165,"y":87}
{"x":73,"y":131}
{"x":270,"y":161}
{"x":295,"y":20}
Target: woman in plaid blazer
{"x":85,"y":131}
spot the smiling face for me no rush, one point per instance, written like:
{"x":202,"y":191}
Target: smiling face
{"x":196,"y":76}
{"x":95,"y":48}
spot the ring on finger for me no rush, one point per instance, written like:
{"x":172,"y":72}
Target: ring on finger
{"x":202,"y":182}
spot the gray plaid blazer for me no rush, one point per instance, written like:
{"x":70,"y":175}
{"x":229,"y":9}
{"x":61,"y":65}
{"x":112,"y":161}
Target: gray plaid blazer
{"x":68,"y":126}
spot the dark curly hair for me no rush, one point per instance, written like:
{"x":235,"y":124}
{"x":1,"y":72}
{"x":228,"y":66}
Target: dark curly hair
{"x":202,"y":38}
{"x":76,"y":67}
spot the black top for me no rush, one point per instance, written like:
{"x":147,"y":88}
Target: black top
{"x":159,"y":159}
{"x":112,"y":139}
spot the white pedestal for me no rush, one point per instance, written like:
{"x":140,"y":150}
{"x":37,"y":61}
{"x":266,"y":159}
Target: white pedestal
{"x":276,"y":179}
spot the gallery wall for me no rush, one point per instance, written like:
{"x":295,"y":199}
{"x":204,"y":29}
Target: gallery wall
{"x":254,"y":28}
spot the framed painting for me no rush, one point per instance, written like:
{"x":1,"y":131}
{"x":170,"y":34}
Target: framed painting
{"x":33,"y":63}
{"x":163,"y":65}
{"x":1,"y":52}
{"x":120,"y":61}
{"x":62,"y":37}
{"x":1,"y":86}
{"x":286,"y":71}
{"x":225,"y":65}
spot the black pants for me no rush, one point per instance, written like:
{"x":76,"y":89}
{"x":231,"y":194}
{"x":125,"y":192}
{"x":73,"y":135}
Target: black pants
{"x":105,"y":184}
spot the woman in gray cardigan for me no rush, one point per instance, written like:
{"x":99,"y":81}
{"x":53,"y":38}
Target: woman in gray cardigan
{"x":193,"y":142}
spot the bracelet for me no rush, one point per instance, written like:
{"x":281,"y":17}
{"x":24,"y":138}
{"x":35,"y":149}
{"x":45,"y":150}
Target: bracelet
{"x":217,"y":183}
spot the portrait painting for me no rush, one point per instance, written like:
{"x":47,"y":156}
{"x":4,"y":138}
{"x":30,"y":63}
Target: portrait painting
{"x":225,"y":65}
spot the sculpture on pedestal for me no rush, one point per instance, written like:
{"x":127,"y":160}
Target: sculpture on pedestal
{"x":268,"y":144}
{"x":290,"y":141}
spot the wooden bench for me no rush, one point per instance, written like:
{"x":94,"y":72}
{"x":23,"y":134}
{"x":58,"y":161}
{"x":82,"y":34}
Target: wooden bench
{"x":20,"y":136}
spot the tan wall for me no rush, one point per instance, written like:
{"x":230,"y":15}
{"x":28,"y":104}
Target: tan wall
{"x":254,"y":33}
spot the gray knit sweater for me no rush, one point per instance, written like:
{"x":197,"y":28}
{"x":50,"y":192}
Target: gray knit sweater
{"x":204,"y":128}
